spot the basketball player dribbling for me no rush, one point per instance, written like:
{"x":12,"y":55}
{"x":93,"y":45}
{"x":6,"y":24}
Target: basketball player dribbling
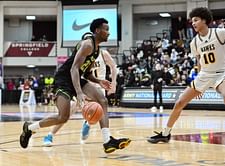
{"x":209,"y":48}
{"x":99,"y":71}
{"x":69,"y":82}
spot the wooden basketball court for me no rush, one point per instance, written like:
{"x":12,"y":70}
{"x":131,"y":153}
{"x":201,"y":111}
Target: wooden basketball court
{"x":198,"y":139}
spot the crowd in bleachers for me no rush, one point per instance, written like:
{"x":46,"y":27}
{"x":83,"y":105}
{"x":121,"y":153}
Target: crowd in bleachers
{"x":174,"y":55}
{"x":178,"y":65}
{"x":42,"y":87}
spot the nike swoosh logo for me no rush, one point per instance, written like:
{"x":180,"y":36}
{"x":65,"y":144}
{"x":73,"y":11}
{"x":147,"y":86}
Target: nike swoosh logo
{"x":77,"y":27}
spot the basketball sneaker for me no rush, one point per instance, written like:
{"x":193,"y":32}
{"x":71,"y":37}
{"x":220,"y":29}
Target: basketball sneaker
{"x":161,"y":109}
{"x":154,"y":109}
{"x":115,"y":144}
{"x":25,"y":136}
{"x":48,"y":140}
{"x":159,"y":138}
{"x":85,"y":131}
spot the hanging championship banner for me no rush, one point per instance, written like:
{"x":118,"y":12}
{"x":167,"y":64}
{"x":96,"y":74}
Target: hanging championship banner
{"x":29,"y":49}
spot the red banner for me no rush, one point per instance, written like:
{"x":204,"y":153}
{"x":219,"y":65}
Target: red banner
{"x":30,"y":49}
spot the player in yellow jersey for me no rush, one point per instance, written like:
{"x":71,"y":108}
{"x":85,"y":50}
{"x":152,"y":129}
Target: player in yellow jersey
{"x":71,"y":79}
{"x":99,"y":71}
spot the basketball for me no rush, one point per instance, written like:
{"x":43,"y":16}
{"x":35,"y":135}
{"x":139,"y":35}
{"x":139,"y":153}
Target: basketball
{"x":92,"y":112}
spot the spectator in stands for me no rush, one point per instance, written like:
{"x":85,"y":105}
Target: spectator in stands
{"x":149,"y":64}
{"x":1,"y":83}
{"x":165,"y":57}
{"x":41,"y":87}
{"x":147,"y":48}
{"x":33,"y":38}
{"x":35,"y":87}
{"x":131,"y":78}
{"x":119,"y":87}
{"x":183,"y":80}
{"x":214,"y":24}
{"x":165,"y":35}
{"x":48,"y":90}
{"x":43,"y":38}
{"x":10,"y":85}
{"x":190,"y":31}
{"x":167,"y":76}
{"x":173,"y":56}
{"x":181,"y":28}
{"x":26,"y":85}
{"x":221,"y":23}
{"x":145,"y":79}
{"x":165,"y":44}
{"x":158,"y":43}
{"x":157,"y":80}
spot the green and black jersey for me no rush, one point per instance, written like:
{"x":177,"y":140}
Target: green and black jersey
{"x":63,"y":79}
{"x":90,"y":59}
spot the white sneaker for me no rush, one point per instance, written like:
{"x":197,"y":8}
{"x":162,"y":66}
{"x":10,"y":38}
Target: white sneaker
{"x":154,"y":109}
{"x":161,"y":109}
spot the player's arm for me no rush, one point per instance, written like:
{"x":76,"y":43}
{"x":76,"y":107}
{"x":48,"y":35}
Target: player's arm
{"x":103,"y":83}
{"x":198,"y":62}
{"x":91,"y":77}
{"x":85,"y":49}
{"x":195,"y":53}
{"x":220,"y":34}
{"x":112,"y":65}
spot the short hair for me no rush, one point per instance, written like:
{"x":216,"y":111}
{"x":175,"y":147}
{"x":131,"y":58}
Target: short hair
{"x":202,"y":12}
{"x":97,"y":23}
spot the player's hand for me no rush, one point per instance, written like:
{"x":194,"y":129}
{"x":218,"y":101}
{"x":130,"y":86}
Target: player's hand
{"x":80,"y":100}
{"x":112,"y":90}
{"x":105,"y":84}
{"x":199,"y":96}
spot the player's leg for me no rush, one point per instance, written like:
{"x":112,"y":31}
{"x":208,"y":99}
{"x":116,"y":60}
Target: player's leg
{"x":97,"y":95}
{"x":86,"y":127}
{"x":154,"y":108}
{"x":184,"y":99}
{"x":221,"y":89}
{"x":63,"y":105}
{"x":160,"y":100}
{"x":110,"y":143}
{"x":94,"y":94}
{"x":49,"y":138}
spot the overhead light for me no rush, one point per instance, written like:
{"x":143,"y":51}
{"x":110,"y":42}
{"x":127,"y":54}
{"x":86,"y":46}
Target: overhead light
{"x":30,"y":17}
{"x":31,"y":66}
{"x":165,"y":14}
{"x":95,"y":0}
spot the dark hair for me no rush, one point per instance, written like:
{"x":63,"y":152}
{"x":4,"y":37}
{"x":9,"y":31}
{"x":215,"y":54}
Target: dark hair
{"x":97,"y":23}
{"x":202,"y":12}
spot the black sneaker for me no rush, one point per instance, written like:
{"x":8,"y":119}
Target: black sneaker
{"x":115,"y":144}
{"x":159,"y":138}
{"x":25,"y":136}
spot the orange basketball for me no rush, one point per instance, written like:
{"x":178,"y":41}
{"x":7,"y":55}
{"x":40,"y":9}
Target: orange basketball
{"x":92,"y":112}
